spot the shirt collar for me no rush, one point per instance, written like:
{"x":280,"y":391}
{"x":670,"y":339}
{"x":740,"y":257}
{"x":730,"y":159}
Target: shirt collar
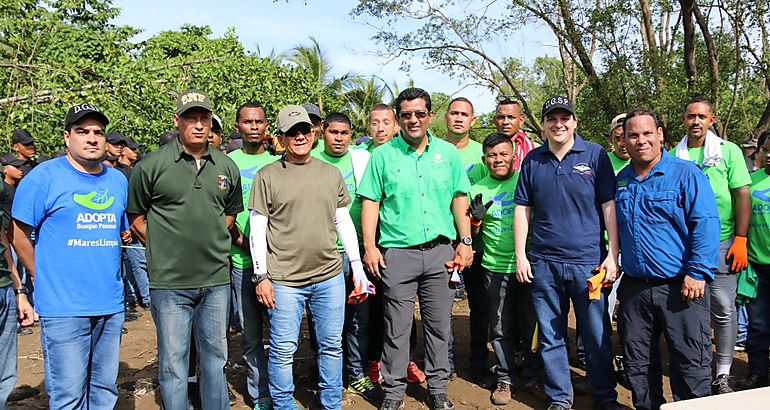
{"x":182,"y":154}
{"x":578,"y":146}
{"x":406,"y":148}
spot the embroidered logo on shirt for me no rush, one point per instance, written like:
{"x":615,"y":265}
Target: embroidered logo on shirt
{"x":223,"y":182}
{"x":582,"y":169}
{"x":622,"y":183}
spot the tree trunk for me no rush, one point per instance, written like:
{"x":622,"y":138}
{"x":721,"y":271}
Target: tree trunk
{"x":690,"y":67}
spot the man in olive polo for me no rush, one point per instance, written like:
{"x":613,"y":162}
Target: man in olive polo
{"x":183,"y":199}
{"x":415,"y":186}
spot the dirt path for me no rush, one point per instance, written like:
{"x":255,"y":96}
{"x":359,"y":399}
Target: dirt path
{"x":138,"y":374}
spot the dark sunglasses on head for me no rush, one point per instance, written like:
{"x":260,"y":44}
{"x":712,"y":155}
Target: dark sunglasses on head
{"x":300,"y":128}
{"x":405,"y":115}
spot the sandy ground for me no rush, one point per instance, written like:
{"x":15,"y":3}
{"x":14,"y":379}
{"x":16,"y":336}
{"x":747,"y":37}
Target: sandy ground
{"x":138,"y":379}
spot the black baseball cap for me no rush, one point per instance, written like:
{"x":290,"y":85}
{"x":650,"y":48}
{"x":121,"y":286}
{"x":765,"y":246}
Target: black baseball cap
{"x":21,"y":136}
{"x":130,"y":143}
{"x":557,"y":102}
{"x":78,"y":112}
{"x":116,"y":138}
{"x":7,"y":158}
{"x":313,"y":110}
{"x":167,"y":137}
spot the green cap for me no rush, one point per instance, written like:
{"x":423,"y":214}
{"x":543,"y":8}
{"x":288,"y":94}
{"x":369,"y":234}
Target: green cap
{"x":292,"y":115}
{"x":192,"y":99}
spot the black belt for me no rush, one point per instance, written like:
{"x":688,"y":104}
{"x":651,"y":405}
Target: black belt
{"x":657,"y":281}
{"x":430,"y":244}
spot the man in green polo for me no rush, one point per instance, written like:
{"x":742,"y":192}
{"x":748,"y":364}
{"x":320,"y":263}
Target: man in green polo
{"x":183,"y":199}
{"x":416,"y":188}
{"x":619,"y":157}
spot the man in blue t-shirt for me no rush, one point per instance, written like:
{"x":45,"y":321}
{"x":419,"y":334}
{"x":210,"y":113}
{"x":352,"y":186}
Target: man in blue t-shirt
{"x":566,"y":189}
{"x":76,"y":206}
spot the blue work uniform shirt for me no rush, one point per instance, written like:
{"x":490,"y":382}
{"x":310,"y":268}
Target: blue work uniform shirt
{"x":566,"y":198}
{"x":668,"y":221}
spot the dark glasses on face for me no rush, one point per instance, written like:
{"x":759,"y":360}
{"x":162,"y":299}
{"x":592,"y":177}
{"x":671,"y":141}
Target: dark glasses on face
{"x":405,"y":115}
{"x":294,"y":131}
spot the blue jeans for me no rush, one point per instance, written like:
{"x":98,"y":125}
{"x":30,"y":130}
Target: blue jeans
{"x":176,"y":313}
{"x":137,"y":277}
{"x":252,"y":316}
{"x":81,"y":356}
{"x":356,"y":334}
{"x":326,"y":301}
{"x":8,"y":343}
{"x":554,"y":285}
{"x":758,"y":337}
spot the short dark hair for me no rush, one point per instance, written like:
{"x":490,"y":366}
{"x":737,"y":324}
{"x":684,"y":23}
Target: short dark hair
{"x":641,"y":112}
{"x":461,"y":99}
{"x":248,"y":104}
{"x":699,"y":99}
{"x":336,"y":117}
{"x":762,"y":138}
{"x":494,"y":139}
{"x":507,"y":101}
{"x":410,"y":94}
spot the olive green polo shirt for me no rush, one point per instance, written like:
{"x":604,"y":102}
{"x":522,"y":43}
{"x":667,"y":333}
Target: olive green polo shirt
{"x":415,"y":191}
{"x":188,"y":244}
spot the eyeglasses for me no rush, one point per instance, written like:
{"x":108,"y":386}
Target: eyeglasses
{"x":506,"y":99}
{"x":294,"y":131}
{"x":405,"y":115}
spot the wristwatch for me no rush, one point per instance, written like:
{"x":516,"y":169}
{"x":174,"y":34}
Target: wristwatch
{"x":466,"y":240}
{"x":23,"y":289}
{"x":256,"y":278}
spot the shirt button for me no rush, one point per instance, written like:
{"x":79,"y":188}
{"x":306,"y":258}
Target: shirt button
{"x":425,"y":212}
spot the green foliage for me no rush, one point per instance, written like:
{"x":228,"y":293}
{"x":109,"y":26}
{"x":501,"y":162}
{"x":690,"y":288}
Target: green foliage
{"x":59,"y":53}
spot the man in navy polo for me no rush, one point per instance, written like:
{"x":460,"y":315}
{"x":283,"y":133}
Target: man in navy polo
{"x":567,"y":189}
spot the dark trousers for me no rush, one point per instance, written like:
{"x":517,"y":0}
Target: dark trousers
{"x":409,"y":273}
{"x":648,"y":311}
{"x":758,"y":337}
{"x":478,"y":304}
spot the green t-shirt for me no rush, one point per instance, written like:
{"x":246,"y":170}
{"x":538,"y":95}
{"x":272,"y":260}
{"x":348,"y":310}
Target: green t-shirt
{"x":759,"y":228}
{"x":248,"y":165}
{"x":415,"y":192}
{"x":497,"y":225}
{"x":730,"y":173}
{"x":471,"y":159}
{"x":617,"y":163}
{"x":345,"y":165}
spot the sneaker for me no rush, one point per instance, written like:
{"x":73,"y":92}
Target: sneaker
{"x":263,"y":404}
{"x":414,"y":374}
{"x":390,"y":404}
{"x":364,"y":387}
{"x":740,"y":346}
{"x":752,"y":381}
{"x":374,"y":372}
{"x":441,"y":402}
{"x":502,"y":394}
{"x":721,"y":384}
{"x":557,"y":406}
{"x":460,"y":295}
{"x":123,"y":330}
{"x":26,"y":330}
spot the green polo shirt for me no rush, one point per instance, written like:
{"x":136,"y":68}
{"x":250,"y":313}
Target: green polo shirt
{"x":497,"y":225}
{"x":248,"y":165}
{"x":415,"y":191}
{"x":188,"y":245}
{"x":345,"y":165}
{"x":470,"y":156}
{"x":617,"y":163}
{"x":730,"y":173}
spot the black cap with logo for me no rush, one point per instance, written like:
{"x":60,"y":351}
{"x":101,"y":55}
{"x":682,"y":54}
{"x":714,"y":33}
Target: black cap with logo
{"x":80,"y":111}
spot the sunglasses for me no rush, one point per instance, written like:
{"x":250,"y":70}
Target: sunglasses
{"x":405,"y":115}
{"x":296,"y":130}
{"x":506,"y":99}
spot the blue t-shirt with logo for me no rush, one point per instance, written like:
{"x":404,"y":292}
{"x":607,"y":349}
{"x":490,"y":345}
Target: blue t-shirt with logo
{"x":77,"y":218}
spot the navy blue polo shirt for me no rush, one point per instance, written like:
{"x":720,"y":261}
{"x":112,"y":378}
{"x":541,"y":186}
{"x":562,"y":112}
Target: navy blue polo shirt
{"x":566,"y":198}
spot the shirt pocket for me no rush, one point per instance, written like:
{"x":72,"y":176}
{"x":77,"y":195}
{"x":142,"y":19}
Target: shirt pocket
{"x":623,"y":206}
{"x":658,"y":207}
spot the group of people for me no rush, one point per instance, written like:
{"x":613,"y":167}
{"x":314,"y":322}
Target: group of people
{"x":353,"y":235}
